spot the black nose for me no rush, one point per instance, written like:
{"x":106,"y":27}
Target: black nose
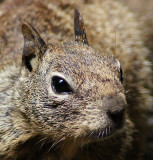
{"x":117,"y":117}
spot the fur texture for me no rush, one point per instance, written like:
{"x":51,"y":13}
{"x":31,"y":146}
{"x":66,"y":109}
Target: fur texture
{"x":102,"y":117}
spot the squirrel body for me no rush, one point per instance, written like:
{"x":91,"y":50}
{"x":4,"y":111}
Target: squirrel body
{"x":64,"y":99}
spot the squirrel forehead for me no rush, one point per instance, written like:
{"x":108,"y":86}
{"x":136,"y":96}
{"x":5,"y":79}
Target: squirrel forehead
{"x":79,"y":55}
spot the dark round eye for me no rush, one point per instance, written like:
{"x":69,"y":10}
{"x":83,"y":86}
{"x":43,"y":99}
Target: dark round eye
{"x":60,"y":86}
{"x":121,"y":75}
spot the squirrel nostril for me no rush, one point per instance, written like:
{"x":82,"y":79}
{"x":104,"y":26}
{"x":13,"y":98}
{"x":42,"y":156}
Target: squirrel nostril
{"x":117,"y":117}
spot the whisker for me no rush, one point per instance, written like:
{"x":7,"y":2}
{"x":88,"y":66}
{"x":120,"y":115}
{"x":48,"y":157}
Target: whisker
{"x":54,"y":144}
{"x":41,"y":140}
{"x":43,"y":143}
{"x":103,"y":133}
{"x":106,"y":131}
{"x":91,"y":133}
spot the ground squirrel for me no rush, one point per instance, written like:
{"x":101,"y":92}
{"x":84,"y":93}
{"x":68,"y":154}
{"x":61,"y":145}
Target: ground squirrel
{"x":62,"y":99}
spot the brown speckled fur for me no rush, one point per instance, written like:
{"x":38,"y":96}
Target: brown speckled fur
{"x":36,"y":123}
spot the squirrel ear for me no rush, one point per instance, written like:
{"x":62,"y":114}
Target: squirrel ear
{"x":34,"y":47}
{"x":79,"y":30}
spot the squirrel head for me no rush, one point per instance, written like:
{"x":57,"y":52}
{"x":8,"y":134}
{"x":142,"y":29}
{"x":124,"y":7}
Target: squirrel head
{"x":71,"y":90}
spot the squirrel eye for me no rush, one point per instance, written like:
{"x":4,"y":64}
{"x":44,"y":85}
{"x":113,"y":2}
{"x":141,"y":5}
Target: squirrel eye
{"x":121,"y":75}
{"x":60,"y":86}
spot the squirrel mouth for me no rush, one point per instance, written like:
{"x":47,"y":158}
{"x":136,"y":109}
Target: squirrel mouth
{"x":106,"y":132}
{"x":100,"y":134}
